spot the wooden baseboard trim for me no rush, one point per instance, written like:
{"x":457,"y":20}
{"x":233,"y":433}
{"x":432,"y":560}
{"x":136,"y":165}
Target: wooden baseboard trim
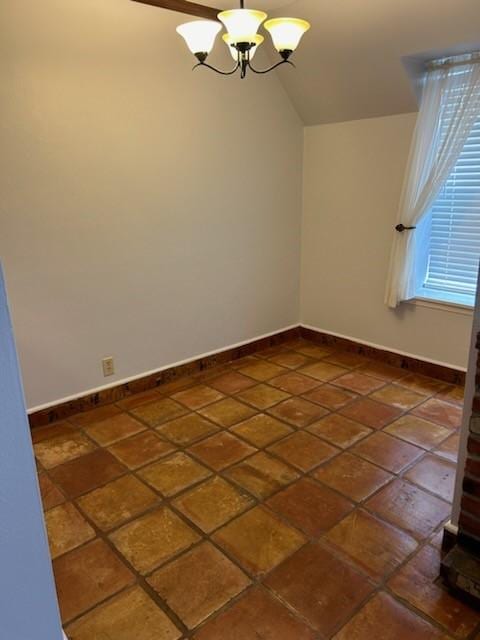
{"x":64,"y":410}
{"x":410,"y":363}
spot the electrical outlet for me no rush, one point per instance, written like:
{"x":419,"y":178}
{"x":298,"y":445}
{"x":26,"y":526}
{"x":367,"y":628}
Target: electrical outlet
{"x":108,"y":367}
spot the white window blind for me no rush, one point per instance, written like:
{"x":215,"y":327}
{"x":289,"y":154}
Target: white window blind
{"x":454,"y":251}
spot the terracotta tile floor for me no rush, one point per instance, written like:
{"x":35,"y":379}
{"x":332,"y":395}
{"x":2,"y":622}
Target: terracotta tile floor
{"x":298,"y":494}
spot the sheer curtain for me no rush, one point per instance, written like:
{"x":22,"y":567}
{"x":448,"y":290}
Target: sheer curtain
{"x":449,"y":108}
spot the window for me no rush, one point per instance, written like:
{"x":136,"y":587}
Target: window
{"x":451,"y":251}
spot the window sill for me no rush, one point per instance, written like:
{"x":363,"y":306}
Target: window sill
{"x":442,"y":305}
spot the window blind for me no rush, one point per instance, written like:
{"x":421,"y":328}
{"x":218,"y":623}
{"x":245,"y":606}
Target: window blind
{"x":454,"y":251}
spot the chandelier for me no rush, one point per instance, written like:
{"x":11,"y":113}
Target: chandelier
{"x":242,"y":38}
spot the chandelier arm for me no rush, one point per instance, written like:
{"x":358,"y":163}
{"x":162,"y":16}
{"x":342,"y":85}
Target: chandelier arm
{"x":223,"y":73}
{"x":262,"y":71}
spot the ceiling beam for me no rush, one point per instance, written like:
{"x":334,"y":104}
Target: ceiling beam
{"x":183,"y":6}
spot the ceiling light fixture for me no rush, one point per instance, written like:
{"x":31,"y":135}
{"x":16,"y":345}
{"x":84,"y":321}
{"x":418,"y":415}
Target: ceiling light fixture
{"x":242,"y":38}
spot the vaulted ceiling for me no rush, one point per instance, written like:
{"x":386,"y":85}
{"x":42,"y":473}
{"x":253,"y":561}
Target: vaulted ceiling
{"x":351,"y":65}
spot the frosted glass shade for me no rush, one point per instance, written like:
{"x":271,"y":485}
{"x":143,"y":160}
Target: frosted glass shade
{"x":242,"y":24}
{"x":257,"y":40}
{"x":200,"y":34}
{"x":286,"y":32}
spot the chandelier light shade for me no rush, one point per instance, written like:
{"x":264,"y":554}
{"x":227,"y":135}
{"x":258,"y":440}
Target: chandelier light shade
{"x":242,"y":37}
{"x":242,"y":24}
{"x":286,"y":32}
{"x":200,"y":35}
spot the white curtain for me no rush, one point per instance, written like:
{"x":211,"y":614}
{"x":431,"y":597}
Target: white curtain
{"x":449,"y":108}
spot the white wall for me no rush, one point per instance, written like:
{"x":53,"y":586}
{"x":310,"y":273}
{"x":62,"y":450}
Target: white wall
{"x":353,"y":175}
{"x":147,"y":212}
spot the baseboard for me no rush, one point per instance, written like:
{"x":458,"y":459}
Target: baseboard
{"x":63,"y":409}
{"x":450,"y":535}
{"x":67,"y":407}
{"x":410,"y":362}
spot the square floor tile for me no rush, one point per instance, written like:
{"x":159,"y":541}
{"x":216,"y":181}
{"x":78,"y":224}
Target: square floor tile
{"x":50,"y":431}
{"x":212,"y":504}
{"x":257,"y":615}
{"x":66,"y":529}
{"x":330,"y":397}
{"x":383,"y":371}
{"x":303,"y":451}
{"x":443,"y":413}
{"x":171,"y":475}
{"x":160,"y":411}
{"x":176,"y":384}
{"x":141,"y":449}
{"x":262,"y":396}
{"x":324,"y":590}
{"x":262,"y":475}
{"x":117,"y":502}
{"x":449,"y":448}
{"x":399,"y":397}
{"x":51,"y":495}
{"x":409,"y":508}
{"x":339,"y":430}
{"x":262,"y":370}
{"x":221,"y":450}
{"x":310,"y":507}
{"x":359,"y":383}
{"x":273,"y":350}
{"x":377,"y":547}
{"x":239,"y":363}
{"x":261,"y":430}
{"x":211,"y":372}
{"x":95,"y":415}
{"x":187,"y":430}
{"x":55,"y":451}
{"x":114,"y":429}
{"x":232,"y":382}
{"x":298,"y":412}
{"x":294,"y":383}
{"x":86,"y":576}
{"x":347,"y":359}
{"x":323,"y":371}
{"x":423,"y":384}
{"x":435,"y":475}
{"x":417,"y":583}
{"x":198,"y":396}
{"x":227,"y":412}
{"x":387,"y":452}
{"x":371,"y":413}
{"x":130,"y":615}
{"x":418,"y":431}
{"x":385,"y":618}
{"x":87,"y":472}
{"x":153,"y":539}
{"x":258,"y":540}
{"x":290,"y":359}
{"x":137,"y":399}
{"x":198,"y":583}
{"x":313,"y":351}
{"x":354,"y":477}
{"x":453,"y":394}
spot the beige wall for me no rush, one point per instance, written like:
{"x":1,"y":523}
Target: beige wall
{"x":147,"y":212}
{"x":353,"y":174}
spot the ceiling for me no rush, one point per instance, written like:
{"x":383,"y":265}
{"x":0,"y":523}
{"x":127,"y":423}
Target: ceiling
{"x":351,"y":64}
{"x":360,"y":58}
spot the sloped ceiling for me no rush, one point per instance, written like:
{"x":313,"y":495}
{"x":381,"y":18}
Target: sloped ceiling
{"x":351,"y":64}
